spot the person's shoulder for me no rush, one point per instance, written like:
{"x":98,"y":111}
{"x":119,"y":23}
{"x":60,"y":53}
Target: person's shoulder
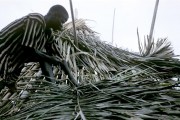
{"x":36,"y":16}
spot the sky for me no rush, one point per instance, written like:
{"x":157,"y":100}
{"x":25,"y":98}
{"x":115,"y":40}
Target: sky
{"x":129,"y":15}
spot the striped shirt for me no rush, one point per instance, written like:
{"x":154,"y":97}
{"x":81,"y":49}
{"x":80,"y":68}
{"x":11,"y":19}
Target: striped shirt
{"x":27,"y":31}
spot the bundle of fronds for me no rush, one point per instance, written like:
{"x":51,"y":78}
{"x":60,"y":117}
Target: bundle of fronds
{"x":114,"y":83}
{"x":159,"y":55}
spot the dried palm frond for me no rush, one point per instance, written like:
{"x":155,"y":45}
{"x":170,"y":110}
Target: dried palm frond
{"x":129,"y":95}
{"x":115,"y":84}
{"x":160,"y":49}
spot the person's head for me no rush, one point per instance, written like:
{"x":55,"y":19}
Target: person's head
{"x":56,"y":16}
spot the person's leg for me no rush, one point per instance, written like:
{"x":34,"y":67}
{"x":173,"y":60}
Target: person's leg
{"x":11,"y":80}
{"x":2,"y":85}
{"x":12,"y":87}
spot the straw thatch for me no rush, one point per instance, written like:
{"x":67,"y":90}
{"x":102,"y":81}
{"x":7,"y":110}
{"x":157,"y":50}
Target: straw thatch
{"x":115,"y":83}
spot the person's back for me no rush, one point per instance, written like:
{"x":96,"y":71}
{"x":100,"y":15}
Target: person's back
{"x":15,"y":36}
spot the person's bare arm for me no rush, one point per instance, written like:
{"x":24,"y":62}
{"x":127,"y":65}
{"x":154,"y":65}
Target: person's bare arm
{"x":57,"y":61}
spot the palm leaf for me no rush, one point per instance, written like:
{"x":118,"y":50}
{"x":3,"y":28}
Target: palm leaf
{"x":161,"y":49}
{"x":115,"y":83}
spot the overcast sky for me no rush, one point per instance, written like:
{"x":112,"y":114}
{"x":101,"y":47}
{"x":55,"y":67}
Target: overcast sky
{"x":130,"y":14}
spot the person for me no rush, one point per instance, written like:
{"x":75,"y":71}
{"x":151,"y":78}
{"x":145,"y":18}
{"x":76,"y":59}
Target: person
{"x":30,"y":39}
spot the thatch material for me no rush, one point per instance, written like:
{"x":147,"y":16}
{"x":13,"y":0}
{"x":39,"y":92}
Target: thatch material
{"x":115,"y":84}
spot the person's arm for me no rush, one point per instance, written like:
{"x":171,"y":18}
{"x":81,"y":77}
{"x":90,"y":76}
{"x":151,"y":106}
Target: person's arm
{"x":52,"y":48}
{"x":57,"y":61}
{"x":44,"y":57}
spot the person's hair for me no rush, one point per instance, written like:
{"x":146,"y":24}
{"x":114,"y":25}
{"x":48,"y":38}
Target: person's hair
{"x":58,"y":11}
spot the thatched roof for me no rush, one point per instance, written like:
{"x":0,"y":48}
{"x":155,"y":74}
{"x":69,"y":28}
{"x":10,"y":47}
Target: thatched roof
{"x":115,"y":83}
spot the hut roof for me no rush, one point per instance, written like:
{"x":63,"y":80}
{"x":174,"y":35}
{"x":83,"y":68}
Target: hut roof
{"x":115,"y":83}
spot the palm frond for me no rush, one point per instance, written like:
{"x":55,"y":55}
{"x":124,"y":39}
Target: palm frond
{"x":128,"y":95}
{"x":115,"y":83}
{"x":161,"y":49}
